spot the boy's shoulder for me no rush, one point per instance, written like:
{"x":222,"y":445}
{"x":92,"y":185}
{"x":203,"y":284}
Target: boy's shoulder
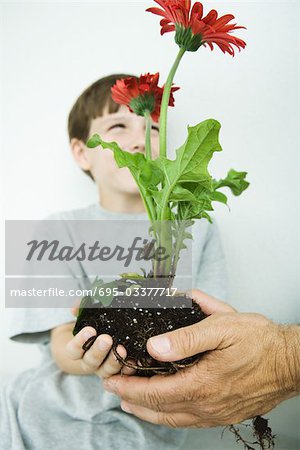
{"x":89,"y":212}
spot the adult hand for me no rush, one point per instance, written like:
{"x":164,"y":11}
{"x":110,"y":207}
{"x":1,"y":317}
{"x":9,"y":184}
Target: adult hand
{"x":244,"y":373}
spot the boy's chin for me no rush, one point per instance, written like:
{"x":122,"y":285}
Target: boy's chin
{"x":129,"y":187}
{"x":133,"y":190}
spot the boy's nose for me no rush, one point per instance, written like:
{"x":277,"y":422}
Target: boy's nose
{"x":138,"y":145}
{"x":138,"y":148}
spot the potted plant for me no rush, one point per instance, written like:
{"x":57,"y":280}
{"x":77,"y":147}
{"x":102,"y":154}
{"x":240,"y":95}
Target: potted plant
{"x":175,"y":193}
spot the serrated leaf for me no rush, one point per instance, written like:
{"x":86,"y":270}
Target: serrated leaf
{"x":191,"y":163}
{"x":234,"y":180}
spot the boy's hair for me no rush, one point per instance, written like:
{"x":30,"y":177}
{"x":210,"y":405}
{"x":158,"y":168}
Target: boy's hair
{"x":90,"y":105}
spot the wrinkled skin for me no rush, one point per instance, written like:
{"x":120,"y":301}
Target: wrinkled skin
{"x":244,"y":373}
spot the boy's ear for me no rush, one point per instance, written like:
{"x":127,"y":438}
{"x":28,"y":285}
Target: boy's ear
{"x":79,"y":152}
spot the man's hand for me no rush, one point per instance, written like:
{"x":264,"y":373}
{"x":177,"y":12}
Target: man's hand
{"x":244,"y":373}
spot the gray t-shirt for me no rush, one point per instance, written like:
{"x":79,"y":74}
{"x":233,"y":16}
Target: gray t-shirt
{"x":45,"y":408}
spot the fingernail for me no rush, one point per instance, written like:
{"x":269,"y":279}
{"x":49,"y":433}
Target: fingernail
{"x":160,"y":344}
{"x":88,"y":334}
{"x":125,"y":407}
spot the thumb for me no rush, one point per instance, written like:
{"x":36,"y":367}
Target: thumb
{"x":208,"y":304}
{"x":188,"y":341}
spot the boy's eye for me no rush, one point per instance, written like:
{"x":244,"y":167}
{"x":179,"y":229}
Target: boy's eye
{"x":121,"y":125}
{"x":117,"y":125}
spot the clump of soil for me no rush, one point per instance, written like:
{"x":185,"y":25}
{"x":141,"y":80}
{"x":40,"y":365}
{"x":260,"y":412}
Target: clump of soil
{"x":131,"y":322}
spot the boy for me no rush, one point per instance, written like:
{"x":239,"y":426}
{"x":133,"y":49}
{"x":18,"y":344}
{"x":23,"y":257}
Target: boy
{"x":61,"y":403}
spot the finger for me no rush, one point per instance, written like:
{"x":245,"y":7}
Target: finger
{"x":129,"y":370}
{"x":172,"y":420}
{"x":111,"y":365}
{"x":74,"y":346}
{"x":188,"y":341}
{"x":154,"y":392}
{"x":209,"y":305}
{"x":95,"y":356}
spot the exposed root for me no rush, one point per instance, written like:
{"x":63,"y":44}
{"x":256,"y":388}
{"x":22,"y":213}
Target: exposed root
{"x":238,"y":437}
{"x":142,"y":364}
{"x":261,"y":431}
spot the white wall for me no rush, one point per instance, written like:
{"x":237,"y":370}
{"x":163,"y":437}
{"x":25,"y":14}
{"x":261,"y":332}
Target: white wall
{"x":52,"y":51}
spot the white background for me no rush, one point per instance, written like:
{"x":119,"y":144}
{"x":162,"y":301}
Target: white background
{"x":52,"y":51}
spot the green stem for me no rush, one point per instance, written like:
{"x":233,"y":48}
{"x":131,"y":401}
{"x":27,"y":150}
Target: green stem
{"x":181,"y":227}
{"x":148,"y":134}
{"x":148,"y":202}
{"x":165,"y":104}
{"x":164,"y":240}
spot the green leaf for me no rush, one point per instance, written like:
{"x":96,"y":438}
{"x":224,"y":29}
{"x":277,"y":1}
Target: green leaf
{"x":94,"y":141}
{"x":191,"y":163}
{"x":107,"y":298}
{"x":136,"y":162}
{"x":234,"y":180}
{"x":98,"y":282}
{"x":180,"y":194}
{"x":151,"y":175}
{"x":193,"y":157}
{"x":85,"y":303}
{"x":218,"y":197}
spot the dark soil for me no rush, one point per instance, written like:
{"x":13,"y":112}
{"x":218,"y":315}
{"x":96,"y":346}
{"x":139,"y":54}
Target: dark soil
{"x":131,"y":323}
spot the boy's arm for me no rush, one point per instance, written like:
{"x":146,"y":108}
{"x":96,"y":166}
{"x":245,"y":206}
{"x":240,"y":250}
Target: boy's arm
{"x":69,"y":356}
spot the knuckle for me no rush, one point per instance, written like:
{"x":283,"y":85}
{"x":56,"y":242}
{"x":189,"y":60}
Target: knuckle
{"x":107,"y":370}
{"x":211,"y":411}
{"x":188,"y":339}
{"x":191,"y":396}
{"x":84,"y":366}
{"x":204,"y":389}
{"x":260,"y":319}
{"x":90,"y":361}
{"x":70,"y":350}
{"x":168,"y":420}
{"x":228,"y":308}
{"x":153,"y":399}
{"x":102,"y":373}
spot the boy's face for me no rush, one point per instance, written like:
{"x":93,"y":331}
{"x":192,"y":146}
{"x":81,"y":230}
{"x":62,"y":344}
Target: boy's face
{"x":128,"y":130}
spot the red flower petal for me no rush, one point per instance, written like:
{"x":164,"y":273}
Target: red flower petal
{"x":127,"y":89}
{"x":179,"y":12}
{"x":157,"y":11}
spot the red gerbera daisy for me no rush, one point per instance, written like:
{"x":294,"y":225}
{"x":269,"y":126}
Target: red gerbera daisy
{"x":141,"y":94}
{"x":193,"y":30}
